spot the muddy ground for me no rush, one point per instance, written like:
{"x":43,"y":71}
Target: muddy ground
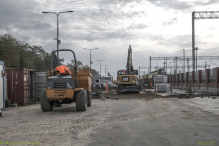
{"x":129,"y":119}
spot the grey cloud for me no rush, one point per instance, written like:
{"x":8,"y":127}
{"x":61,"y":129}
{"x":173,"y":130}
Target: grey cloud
{"x":180,"y":41}
{"x":180,"y":5}
{"x":170,"y":22}
{"x":91,"y":21}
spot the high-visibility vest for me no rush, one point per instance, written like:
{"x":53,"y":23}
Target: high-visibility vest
{"x":106,"y":86}
{"x":62,"y":69}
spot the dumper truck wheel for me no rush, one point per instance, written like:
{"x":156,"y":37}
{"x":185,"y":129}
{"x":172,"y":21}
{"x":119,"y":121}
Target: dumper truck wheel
{"x":46,"y":105}
{"x":89,"y":97}
{"x":81,"y":100}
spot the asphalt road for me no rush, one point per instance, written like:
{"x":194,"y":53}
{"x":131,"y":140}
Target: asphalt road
{"x":134,"y":119}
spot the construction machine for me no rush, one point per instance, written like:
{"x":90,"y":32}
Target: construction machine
{"x":64,"y":86}
{"x":127,"y":80}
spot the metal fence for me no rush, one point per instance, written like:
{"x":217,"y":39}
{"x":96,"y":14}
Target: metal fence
{"x":176,"y":77}
{"x":172,"y":78}
{"x":212,"y":75}
{"x":196,"y":77}
{"x":184,"y":77}
{"x":190,"y":76}
{"x":179,"y":77}
{"x":203,"y":76}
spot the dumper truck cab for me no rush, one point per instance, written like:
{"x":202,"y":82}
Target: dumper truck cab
{"x":64,"y":86}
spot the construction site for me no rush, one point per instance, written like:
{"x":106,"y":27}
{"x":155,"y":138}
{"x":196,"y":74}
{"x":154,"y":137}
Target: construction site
{"x":51,"y":102}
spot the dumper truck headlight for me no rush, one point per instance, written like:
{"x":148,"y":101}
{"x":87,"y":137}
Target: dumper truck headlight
{"x":55,"y":95}
{"x":65,"y":95}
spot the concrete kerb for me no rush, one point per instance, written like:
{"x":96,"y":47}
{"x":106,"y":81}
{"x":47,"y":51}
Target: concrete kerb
{"x":166,"y":94}
{"x":179,"y":93}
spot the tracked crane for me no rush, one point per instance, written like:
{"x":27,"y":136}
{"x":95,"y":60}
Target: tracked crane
{"x":127,"y":80}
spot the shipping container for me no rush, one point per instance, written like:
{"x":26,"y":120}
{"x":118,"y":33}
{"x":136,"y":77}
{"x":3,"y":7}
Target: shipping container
{"x":37,"y":84}
{"x":2,"y":87}
{"x":18,"y":85}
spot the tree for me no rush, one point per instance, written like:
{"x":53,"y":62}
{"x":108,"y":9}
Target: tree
{"x":81,"y":66}
{"x":17,"y":54}
{"x":72,"y":64}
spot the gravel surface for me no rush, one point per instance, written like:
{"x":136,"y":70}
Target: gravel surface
{"x":133,"y":119}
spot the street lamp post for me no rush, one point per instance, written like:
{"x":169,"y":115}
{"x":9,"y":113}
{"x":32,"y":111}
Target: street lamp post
{"x":90,"y":55}
{"x":100,"y":66}
{"x":58,"y":41}
{"x":105,"y":70}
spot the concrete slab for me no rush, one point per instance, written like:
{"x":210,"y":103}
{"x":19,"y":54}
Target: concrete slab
{"x":175,"y":92}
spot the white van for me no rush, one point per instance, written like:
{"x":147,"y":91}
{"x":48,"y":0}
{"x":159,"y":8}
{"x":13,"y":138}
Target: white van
{"x":97,"y":83}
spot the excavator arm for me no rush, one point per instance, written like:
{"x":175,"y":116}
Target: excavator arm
{"x":129,"y":67}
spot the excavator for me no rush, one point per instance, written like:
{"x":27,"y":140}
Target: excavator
{"x":127,"y":80}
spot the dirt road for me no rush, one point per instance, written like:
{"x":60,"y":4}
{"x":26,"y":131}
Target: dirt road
{"x":134,"y":119}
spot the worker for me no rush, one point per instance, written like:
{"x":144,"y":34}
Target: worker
{"x":106,"y":87}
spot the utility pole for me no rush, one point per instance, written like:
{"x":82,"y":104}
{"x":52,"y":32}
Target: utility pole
{"x":176,"y":64}
{"x":188,"y":68}
{"x":164,"y":63}
{"x":184,"y":60}
{"x":196,"y":57}
{"x":148,"y":72}
{"x":150,"y":66}
{"x":193,"y":41}
{"x":105,"y":70}
{"x":100,"y":66}
{"x":90,"y":55}
{"x":205,"y":64}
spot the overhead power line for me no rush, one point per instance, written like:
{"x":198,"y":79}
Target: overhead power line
{"x":181,"y":58}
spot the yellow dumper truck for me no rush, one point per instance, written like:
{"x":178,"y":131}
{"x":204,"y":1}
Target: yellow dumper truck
{"x":65,"y":88}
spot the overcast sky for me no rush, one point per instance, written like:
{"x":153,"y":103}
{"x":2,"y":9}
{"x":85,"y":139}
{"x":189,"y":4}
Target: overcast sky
{"x":152,"y":28}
